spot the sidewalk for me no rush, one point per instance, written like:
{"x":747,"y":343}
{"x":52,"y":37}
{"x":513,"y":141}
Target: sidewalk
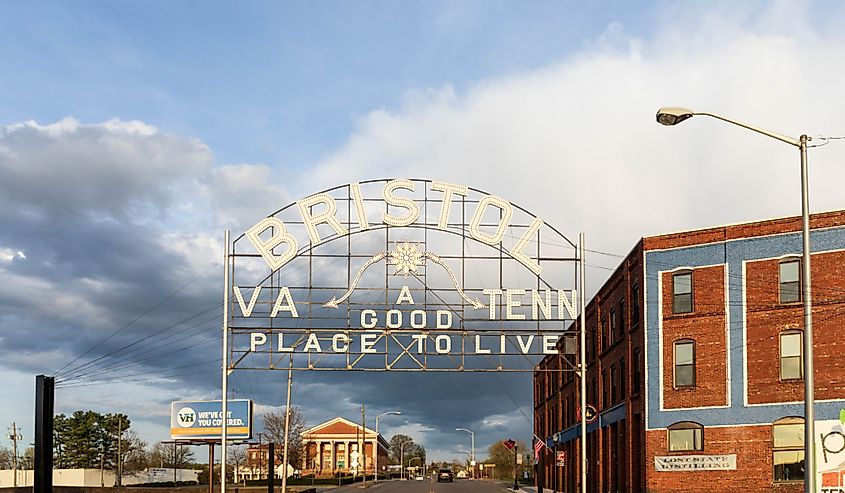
{"x":522,"y":488}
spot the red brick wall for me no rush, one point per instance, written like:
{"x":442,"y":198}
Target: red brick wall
{"x":752,"y":446}
{"x":747,"y":230}
{"x":766,"y":318}
{"x":706,"y":326}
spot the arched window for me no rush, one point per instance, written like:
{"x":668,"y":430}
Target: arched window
{"x":684,"y":361}
{"x":789,"y":280}
{"x":791,"y":355}
{"x":788,"y":449}
{"x":686,"y":436}
{"x":682,"y":292}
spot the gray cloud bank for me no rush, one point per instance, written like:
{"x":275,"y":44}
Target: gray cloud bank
{"x":102,"y":221}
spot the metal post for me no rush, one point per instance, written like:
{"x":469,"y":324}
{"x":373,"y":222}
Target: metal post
{"x":225,"y":377}
{"x":582,"y":368}
{"x":271,"y":462}
{"x":515,"y":453}
{"x":809,"y":411}
{"x":287,"y":428}
{"x":210,"y":467}
{"x":44,"y":399}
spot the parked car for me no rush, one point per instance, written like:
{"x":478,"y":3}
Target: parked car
{"x":445,"y":475}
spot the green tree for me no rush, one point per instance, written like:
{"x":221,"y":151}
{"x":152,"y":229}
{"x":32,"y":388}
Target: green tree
{"x":87,"y":439}
{"x":411,"y":449}
{"x":503,"y":458}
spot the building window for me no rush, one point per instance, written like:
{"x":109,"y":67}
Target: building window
{"x":686,"y":436}
{"x":789,"y":278}
{"x":791,"y":352}
{"x":613,"y":327}
{"x":635,"y":377}
{"x":682,"y":292}
{"x":604,"y":389}
{"x":635,"y":304}
{"x":622,"y":317}
{"x":623,"y":377}
{"x":788,"y":450}
{"x":685,"y":363}
{"x":612,"y":385}
{"x":604,"y":333}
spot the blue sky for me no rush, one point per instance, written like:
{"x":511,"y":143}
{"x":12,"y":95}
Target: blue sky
{"x":251,"y":78}
{"x":133,"y":133}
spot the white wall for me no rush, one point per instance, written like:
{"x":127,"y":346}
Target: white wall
{"x":93,"y":477}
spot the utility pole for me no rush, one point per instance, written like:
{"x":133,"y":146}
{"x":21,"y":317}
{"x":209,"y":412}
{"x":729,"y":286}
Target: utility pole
{"x":364,"y":447}
{"x":14,"y":436}
{"x":515,"y":453}
{"x":287,"y":429}
{"x":119,"y":462}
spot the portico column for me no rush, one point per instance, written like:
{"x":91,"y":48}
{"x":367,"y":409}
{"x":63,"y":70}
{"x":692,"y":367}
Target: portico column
{"x":348,"y":463}
{"x":334,"y":456}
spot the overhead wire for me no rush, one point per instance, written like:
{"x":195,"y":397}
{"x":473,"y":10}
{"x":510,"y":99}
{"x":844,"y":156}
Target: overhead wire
{"x":138,"y":317}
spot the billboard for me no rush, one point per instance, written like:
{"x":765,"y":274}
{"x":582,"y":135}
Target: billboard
{"x":202,"y":420}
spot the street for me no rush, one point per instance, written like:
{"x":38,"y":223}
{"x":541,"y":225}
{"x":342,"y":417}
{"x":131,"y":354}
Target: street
{"x":428,"y":486}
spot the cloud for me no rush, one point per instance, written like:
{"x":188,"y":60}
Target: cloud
{"x":104,"y":220}
{"x":576,"y":142}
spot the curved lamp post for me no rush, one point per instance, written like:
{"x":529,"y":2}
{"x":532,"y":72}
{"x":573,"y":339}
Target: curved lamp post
{"x":672,"y":116}
{"x":472,"y":440}
{"x":375,"y":460}
{"x":412,"y":459}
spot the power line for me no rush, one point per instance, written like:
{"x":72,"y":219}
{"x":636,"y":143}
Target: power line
{"x":144,"y":313}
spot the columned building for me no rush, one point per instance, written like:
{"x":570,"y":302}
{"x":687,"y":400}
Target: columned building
{"x":695,"y":366}
{"x":334,"y":446}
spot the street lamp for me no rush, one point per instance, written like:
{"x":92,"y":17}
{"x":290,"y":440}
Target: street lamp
{"x":472,"y":438}
{"x":375,"y":460}
{"x":402,"y":458}
{"x":412,"y":460}
{"x":672,"y":116}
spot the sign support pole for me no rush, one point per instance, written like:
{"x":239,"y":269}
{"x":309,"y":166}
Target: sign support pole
{"x":583,"y":366}
{"x":225,"y":377}
{"x":287,"y":429}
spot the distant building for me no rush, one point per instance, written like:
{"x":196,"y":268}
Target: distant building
{"x":256,"y":464}
{"x":695,"y":364}
{"x":331,"y":447}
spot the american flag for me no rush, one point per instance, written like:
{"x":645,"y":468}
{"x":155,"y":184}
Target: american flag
{"x":538,"y":446}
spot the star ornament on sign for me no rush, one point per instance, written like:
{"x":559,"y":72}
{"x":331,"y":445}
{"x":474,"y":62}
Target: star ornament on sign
{"x":406,"y":258}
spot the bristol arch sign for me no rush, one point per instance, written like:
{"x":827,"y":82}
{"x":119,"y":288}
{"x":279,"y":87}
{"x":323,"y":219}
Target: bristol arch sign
{"x":400,"y":275}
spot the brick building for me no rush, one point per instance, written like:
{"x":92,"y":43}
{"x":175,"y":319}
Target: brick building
{"x":331,"y":448}
{"x":694,"y":360}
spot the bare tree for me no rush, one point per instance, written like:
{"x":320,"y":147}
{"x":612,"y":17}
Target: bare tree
{"x":134,"y":455}
{"x":5,"y":458}
{"x":237,"y":456}
{"x":274,"y":427}
{"x":166,"y":455}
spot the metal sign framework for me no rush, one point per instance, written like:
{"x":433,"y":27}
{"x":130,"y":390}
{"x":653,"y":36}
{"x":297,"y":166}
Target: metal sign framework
{"x":323,"y":302}
{"x":401,"y":275}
